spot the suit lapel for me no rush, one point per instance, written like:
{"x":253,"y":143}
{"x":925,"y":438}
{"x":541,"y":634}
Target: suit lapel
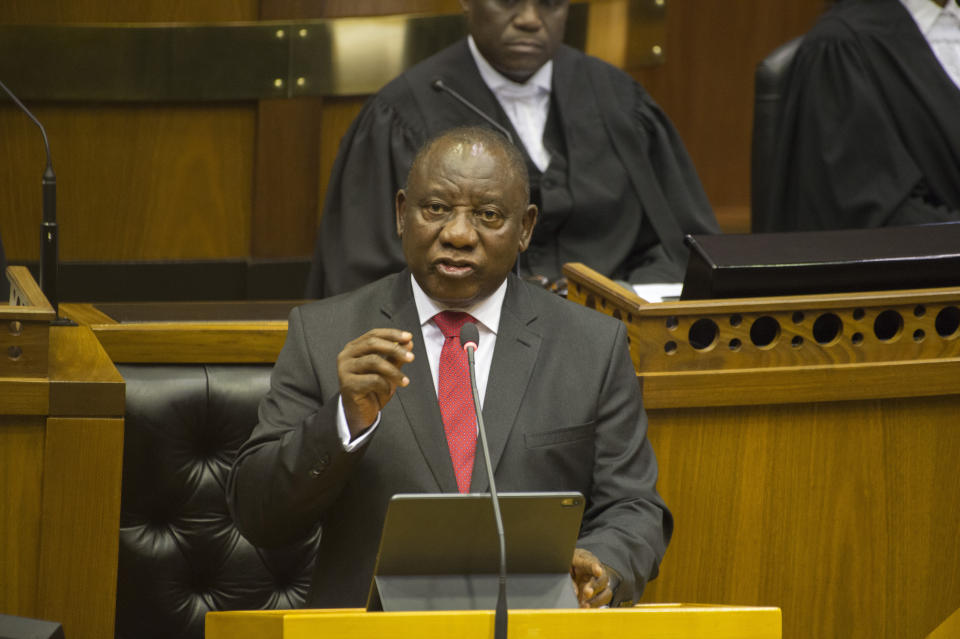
{"x":418,"y":401}
{"x":513,"y":360}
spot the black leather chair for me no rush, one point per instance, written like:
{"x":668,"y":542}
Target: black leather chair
{"x":180,"y":554}
{"x":769,"y":82}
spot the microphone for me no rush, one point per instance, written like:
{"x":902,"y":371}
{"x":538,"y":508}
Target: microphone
{"x":48,"y":228}
{"x":440,"y":86}
{"x":469,"y":338}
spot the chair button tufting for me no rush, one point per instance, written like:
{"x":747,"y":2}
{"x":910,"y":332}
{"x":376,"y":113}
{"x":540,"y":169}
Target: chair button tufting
{"x":321,"y":466}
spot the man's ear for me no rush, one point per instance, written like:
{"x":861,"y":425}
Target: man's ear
{"x":465,"y":5}
{"x":527,"y":223}
{"x":399,"y":206}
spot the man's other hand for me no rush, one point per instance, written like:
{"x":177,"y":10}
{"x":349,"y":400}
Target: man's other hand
{"x":591,"y":580}
{"x":369,"y":372}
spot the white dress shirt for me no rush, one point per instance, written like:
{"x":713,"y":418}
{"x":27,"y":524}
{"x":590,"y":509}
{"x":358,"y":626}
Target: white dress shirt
{"x":941,"y":28}
{"x":527,"y":104}
{"x":487,"y":314}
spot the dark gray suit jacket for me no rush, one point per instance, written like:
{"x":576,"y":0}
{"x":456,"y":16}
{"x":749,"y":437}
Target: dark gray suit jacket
{"x":562,"y":410}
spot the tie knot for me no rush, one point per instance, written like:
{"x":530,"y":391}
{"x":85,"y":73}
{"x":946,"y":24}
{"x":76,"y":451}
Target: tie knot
{"x":450,"y":322}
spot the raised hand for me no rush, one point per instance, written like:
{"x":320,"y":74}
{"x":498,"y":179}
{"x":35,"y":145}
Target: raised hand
{"x":369,"y":369}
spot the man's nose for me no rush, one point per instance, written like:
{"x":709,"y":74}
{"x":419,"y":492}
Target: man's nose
{"x":528,"y":15}
{"x":459,"y":230}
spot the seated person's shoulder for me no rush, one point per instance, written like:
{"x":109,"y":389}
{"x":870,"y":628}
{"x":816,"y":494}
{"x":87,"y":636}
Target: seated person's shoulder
{"x":841,"y":24}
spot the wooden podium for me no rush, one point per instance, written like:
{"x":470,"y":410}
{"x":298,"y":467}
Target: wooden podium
{"x":659,"y":621}
{"x":808,"y":449}
{"x":61,"y":449}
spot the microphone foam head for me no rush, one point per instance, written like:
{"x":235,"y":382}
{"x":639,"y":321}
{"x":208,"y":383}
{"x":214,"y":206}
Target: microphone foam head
{"x":469,"y":336}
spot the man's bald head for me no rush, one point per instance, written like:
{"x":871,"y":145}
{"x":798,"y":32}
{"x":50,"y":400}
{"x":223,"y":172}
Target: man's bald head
{"x":488,"y":139}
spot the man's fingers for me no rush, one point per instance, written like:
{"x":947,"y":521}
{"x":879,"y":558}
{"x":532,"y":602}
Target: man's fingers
{"x":591,"y":581}
{"x":355,"y":373}
{"x":399,"y":353}
{"x":602,"y":598}
{"x":370,"y":386}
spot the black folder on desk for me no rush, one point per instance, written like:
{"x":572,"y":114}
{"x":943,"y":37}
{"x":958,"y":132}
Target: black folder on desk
{"x":806,"y":262}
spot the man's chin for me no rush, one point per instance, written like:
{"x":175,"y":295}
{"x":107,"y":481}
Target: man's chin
{"x":454,"y":292}
{"x":520,"y":74}
{"x":522,"y":67}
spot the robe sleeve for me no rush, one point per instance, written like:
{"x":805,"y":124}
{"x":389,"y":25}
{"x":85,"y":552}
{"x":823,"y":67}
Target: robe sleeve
{"x":357,"y":241}
{"x":841,"y":160}
{"x":673,"y":167}
{"x":679,"y":184}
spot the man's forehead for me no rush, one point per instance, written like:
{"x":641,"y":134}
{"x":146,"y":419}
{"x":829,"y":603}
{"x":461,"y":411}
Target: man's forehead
{"x":474,"y":157}
{"x":453,"y":149}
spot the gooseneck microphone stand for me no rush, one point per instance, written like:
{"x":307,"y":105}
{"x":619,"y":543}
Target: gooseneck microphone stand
{"x":49,"y":262}
{"x":469,"y":338}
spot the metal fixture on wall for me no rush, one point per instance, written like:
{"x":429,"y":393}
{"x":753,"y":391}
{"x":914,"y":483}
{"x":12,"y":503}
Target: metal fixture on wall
{"x":259,"y":60}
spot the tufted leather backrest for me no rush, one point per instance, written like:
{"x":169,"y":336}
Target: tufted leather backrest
{"x":180,"y":554}
{"x":769,"y":84}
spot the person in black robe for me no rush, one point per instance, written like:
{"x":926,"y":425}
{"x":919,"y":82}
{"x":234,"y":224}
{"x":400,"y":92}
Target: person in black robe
{"x":619,"y":192}
{"x":870,"y":126}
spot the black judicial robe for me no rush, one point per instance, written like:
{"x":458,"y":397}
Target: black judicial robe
{"x":870,"y":126}
{"x":619,"y":194}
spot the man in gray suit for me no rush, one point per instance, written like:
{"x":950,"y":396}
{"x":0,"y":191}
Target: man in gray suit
{"x":353,"y":416}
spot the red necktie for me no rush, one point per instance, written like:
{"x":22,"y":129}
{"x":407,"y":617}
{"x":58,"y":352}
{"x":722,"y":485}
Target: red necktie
{"x":455,"y":397}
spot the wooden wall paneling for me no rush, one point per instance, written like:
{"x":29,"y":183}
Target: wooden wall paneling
{"x":287,"y":9}
{"x":288,"y":146}
{"x":843,"y":513}
{"x":134,"y":182}
{"x":338,"y":113}
{"x":344,"y":8}
{"x":21,"y":483}
{"x":104,"y":11}
{"x":22,"y":163}
{"x":79,"y":524}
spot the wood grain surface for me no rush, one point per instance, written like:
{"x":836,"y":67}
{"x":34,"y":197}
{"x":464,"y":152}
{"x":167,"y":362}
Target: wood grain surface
{"x":21,"y":486}
{"x":843,"y":514}
{"x":80,"y":525}
{"x":651,"y":622}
